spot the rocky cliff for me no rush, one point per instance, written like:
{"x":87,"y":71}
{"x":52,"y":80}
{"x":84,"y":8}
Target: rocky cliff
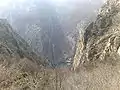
{"x":100,"y":41}
{"x":97,"y":58}
{"x":41,"y":28}
{"x":13,"y":46}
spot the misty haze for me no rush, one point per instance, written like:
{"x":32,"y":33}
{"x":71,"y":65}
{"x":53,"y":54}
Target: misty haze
{"x":59,"y":44}
{"x":49,"y":26}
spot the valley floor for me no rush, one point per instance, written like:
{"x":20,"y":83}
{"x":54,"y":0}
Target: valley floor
{"x":102,"y":77}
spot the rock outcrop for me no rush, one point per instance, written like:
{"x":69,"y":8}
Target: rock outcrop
{"x":100,"y":42}
{"x":12,"y":46}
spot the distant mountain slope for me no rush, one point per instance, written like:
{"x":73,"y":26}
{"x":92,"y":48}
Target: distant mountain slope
{"x":13,"y":46}
{"x":20,"y":67}
{"x":42,"y":30}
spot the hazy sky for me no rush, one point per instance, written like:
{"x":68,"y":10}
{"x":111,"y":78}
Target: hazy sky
{"x":65,"y":6}
{"x":4,"y":3}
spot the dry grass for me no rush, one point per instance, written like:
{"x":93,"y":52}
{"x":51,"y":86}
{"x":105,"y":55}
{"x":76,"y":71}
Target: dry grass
{"x":25,"y":75}
{"x":22,"y":77}
{"x":103,"y":77}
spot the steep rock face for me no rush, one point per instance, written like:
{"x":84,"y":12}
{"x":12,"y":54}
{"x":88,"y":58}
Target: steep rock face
{"x":39,"y":24}
{"x":13,"y":46}
{"x":44,"y":34}
{"x":100,"y":41}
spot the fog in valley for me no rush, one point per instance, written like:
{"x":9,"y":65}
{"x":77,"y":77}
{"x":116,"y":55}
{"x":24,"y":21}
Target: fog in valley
{"x":50,"y":26}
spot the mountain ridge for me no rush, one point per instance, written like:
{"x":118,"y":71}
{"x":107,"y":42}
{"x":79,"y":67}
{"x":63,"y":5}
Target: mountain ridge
{"x":100,"y":36}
